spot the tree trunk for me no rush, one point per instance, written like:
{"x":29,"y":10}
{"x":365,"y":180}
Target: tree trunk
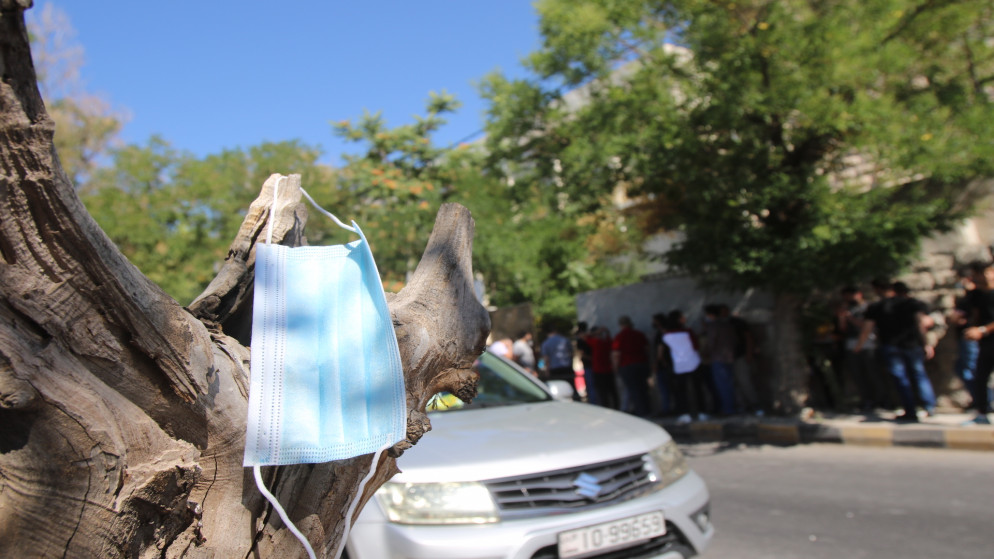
{"x":122,"y":414}
{"x":790,"y":369}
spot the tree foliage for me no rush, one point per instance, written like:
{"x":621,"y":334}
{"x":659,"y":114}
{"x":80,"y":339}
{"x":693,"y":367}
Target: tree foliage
{"x":796,"y":144}
{"x":174,"y":215}
{"x":396,"y":182}
{"x":526,"y":248}
{"x":528,"y":251}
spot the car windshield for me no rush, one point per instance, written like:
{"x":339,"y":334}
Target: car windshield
{"x":501,"y":384}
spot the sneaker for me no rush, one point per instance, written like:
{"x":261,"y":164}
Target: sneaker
{"x":759,"y":413}
{"x":981,"y":419}
{"x":703,"y":417}
{"x":683,"y":419}
{"x":906,"y":418}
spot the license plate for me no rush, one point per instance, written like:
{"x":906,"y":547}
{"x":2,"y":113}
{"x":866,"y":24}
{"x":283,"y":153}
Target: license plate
{"x":611,"y":535}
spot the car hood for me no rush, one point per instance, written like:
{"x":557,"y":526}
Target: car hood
{"x":493,"y":443}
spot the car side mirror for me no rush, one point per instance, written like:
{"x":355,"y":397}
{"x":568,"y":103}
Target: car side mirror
{"x":561,"y":390}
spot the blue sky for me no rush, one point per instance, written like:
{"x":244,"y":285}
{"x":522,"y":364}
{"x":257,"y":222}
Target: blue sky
{"x":220,"y":74}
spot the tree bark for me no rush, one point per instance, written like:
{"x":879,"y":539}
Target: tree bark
{"x":791,"y":373}
{"x":122,"y":414}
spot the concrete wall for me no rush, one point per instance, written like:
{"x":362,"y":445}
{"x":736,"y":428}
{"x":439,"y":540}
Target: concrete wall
{"x":640,"y":301}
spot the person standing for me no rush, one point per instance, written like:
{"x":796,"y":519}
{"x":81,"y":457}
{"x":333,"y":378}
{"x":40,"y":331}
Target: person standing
{"x":861,"y":366}
{"x":900,"y":322}
{"x":523,"y":353}
{"x":720,"y":335}
{"x":745,"y":350}
{"x":662,"y":371}
{"x":502,"y":347}
{"x":980,"y":311}
{"x":884,"y":289}
{"x":557,"y":350}
{"x":685,"y":361}
{"x":630,"y":361}
{"x":582,"y":341}
{"x":600,"y":357}
{"x":967,"y":350}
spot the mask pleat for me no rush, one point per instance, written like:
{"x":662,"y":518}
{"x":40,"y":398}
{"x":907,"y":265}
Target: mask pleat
{"x":354,"y":426}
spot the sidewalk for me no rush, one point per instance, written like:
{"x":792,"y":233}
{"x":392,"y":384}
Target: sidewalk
{"x":943,"y":430}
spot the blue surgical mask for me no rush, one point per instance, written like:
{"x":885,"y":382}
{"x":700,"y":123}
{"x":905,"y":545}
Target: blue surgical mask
{"x":326,"y":376}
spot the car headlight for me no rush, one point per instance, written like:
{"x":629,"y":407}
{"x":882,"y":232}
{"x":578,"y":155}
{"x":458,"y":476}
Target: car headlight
{"x":437,"y":503}
{"x":669,"y":463}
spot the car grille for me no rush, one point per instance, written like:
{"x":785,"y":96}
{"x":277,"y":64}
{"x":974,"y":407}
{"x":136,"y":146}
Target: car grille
{"x":573,"y":489}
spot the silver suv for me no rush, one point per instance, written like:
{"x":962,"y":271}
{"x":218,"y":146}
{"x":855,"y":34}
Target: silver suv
{"x":522,"y":474}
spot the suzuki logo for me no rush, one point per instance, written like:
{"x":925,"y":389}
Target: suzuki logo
{"x":587,"y":486}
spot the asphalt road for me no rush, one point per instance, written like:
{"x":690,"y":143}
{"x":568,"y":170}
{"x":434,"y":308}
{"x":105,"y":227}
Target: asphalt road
{"x":839,"y":501}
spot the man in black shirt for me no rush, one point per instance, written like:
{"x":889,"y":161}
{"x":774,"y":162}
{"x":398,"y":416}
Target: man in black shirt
{"x":900,"y":322}
{"x":979,"y":309}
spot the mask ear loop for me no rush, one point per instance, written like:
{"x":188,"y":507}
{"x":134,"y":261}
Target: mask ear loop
{"x":256,"y":470}
{"x":327,"y":213}
{"x":358,"y":497}
{"x":279,"y":510}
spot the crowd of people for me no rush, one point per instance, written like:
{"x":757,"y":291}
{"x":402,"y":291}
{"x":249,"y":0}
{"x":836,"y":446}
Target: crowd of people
{"x":695,"y":373}
{"x":692,"y":373}
{"x":892,"y":332}
{"x":883,"y":345}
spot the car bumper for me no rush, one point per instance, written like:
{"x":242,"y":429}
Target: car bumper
{"x":682,"y":503}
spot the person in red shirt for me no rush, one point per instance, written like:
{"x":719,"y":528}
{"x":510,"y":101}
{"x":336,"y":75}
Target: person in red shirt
{"x":600,"y":350}
{"x":630,"y":360}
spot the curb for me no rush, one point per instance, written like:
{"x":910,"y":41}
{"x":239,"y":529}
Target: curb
{"x":876,"y":434}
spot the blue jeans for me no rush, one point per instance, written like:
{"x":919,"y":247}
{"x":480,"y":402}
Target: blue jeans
{"x":985,"y":365}
{"x":907,"y":365}
{"x":724,"y":382}
{"x":966,"y":368}
{"x":588,"y":379}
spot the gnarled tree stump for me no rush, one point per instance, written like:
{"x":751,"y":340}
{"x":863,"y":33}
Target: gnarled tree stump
{"x":122,"y":414}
